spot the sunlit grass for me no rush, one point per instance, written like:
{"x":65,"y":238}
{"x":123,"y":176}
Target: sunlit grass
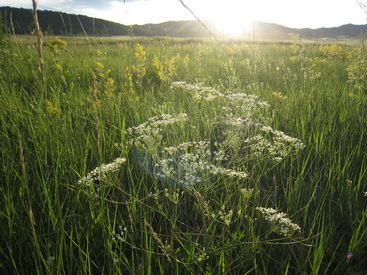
{"x":199,"y":157}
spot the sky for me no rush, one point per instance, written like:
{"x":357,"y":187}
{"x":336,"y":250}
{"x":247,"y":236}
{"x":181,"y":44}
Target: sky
{"x":228,"y":15}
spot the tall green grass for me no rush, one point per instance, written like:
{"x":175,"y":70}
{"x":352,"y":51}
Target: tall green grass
{"x":133,"y":221}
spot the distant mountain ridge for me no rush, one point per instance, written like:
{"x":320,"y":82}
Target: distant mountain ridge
{"x":20,"y":21}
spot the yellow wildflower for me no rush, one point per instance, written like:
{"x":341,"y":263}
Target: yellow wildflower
{"x":52,"y":109}
{"x":333,"y":50}
{"x":279,"y":95}
{"x":140,"y":54}
{"x":165,"y":70}
{"x":58,"y":67}
{"x":56,"y":43}
{"x":129,"y":83}
{"x":99,"y":65}
{"x":62,"y":78}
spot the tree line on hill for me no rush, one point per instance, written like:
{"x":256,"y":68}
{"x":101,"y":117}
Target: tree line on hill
{"x":20,"y":21}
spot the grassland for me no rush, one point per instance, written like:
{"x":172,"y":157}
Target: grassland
{"x":165,"y":156}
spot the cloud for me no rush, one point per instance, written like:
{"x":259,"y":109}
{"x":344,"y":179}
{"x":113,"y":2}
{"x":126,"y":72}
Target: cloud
{"x":143,"y":11}
{"x":122,"y":11}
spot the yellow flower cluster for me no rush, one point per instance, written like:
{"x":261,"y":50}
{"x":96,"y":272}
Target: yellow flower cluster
{"x":333,"y":51}
{"x":319,"y":60}
{"x":279,"y":95}
{"x":56,"y":44}
{"x":135,"y":74}
{"x":104,"y":83}
{"x":58,"y":67}
{"x":166,"y":69}
{"x":52,"y":109}
{"x":357,"y":70}
{"x":121,"y":45}
{"x":99,"y":65}
{"x":139,"y":69}
{"x":129,"y":82}
{"x":61,"y":73}
{"x":186,"y":61}
{"x":140,"y":54}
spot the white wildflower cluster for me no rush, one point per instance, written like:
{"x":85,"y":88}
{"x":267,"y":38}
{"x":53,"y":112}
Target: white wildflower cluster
{"x":237,"y":111}
{"x":276,"y":146}
{"x":149,"y":133}
{"x":279,"y":220}
{"x":255,"y":141}
{"x":240,"y":103}
{"x":235,"y":121}
{"x":228,"y":172}
{"x":251,"y":101}
{"x":155,"y":194}
{"x":193,"y":162}
{"x":173,"y":195}
{"x":102,"y":171}
{"x":198,"y":91}
{"x":201,"y":255}
{"x":225,"y":216}
{"x":121,"y":235}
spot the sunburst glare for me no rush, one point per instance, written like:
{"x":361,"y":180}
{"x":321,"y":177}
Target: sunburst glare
{"x":232,"y":18}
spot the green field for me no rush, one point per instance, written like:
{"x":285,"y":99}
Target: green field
{"x":182,"y":156}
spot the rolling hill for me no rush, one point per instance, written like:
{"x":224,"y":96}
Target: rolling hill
{"x":20,"y":21}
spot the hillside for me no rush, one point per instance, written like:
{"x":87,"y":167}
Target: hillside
{"x":59,"y":23}
{"x":20,"y":21}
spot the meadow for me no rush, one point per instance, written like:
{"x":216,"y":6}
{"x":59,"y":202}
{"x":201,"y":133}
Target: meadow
{"x":182,"y":156}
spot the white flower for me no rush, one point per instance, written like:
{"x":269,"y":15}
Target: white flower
{"x":193,"y":162}
{"x":279,"y":220}
{"x":101,"y":171}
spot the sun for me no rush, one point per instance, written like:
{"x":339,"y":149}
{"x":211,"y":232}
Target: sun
{"x":230,"y":26}
{"x":233,"y":18}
